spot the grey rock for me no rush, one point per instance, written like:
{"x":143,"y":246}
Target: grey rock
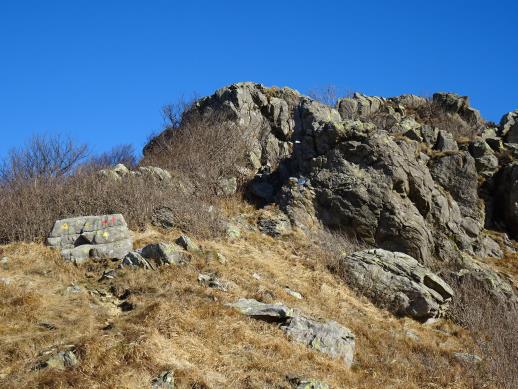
{"x":212,"y":281}
{"x":397,"y":282}
{"x":326,"y":337}
{"x":227,"y":186}
{"x":457,"y":173}
{"x":187,"y":244}
{"x":304,"y":383}
{"x":165,"y":380}
{"x":485,"y":160}
{"x":61,"y":360}
{"x":154,"y":173}
{"x":456,"y":104}
{"x":274,"y":224}
{"x":262,"y":311}
{"x":490,"y":248}
{"x":445,"y":142}
{"x":467,"y":358}
{"x":293,"y":293}
{"x":509,"y":127}
{"x":134,"y":259}
{"x":97,"y":237}
{"x":233,"y":232}
{"x":163,"y":253}
{"x":359,"y":105}
{"x":429,"y":135}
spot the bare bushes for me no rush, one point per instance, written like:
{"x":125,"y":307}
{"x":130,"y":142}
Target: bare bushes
{"x":204,"y":148}
{"x":43,"y":156}
{"x":493,"y":325}
{"x":30,"y":209}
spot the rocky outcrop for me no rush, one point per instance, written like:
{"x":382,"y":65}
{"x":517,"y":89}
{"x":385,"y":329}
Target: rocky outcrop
{"x":97,"y":237}
{"x":397,"y":282}
{"x":374,"y":167}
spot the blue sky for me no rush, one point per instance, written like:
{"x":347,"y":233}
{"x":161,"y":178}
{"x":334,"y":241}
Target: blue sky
{"x":101,"y":70}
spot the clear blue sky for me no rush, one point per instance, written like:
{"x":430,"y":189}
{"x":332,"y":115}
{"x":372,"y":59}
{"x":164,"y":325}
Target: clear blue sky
{"x":101,"y":70}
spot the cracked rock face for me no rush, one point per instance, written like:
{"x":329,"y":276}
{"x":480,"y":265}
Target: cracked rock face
{"x":97,"y":237}
{"x":397,"y":282}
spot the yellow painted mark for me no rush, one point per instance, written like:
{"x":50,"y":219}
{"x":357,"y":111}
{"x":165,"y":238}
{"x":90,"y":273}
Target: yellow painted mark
{"x":65,"y":226}
{"x":105,"y":234}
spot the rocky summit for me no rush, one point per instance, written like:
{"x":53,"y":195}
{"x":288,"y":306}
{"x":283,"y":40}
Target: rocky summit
{"x":270,"y":240}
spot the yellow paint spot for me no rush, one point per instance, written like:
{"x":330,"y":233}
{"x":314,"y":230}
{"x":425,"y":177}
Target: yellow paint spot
{"x":105,"y":234}
{"x":64,"y":226}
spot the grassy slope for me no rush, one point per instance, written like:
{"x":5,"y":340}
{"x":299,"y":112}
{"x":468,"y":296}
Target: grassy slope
{"x":180,"y":324}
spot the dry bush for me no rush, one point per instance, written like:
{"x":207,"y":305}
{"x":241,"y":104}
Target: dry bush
{"x":43,"y":156}
{"x":434,"y":115}
{"x":29,"y":210}
{"x":203,"y":148}
{"x":494,"y":328}
{"x":124,"y":154}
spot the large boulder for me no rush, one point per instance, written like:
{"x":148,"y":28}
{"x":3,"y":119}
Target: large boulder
{"x":97,"y":237}
{"x":326,"y":337}
{"x":397,"y":282}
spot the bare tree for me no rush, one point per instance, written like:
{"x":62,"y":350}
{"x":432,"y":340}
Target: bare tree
{"x":326,"y":94}
{"x":43,"y":156}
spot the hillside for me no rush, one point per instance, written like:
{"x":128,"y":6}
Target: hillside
{"x":280,"y":199}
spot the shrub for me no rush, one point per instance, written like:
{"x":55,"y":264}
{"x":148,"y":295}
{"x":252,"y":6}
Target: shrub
{"x":30,"y":210}
{"x":204,"y":148}
{"x":43,"y":156}
{"x":493,"y":325}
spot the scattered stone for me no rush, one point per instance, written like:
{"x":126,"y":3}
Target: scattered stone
{"x":397,"y":282}
{"x":212,"y":281}
{"x":412,"y":335}
{"x":328,"y":338}
{"x":164,"y":253}
{"x":126,"y":306}
{"x":262,"y":311}
{"x":293,"y":293}
{"x":274,"y":224}
{"x":108,"y":275}
{"x":303,"y":383}
{"x":165,"y":380}
{"x":95,"y":237}
{"x":187,"y":244}
{"x":134,"y":259}
{"x":226,"y":186}
{"x":61,"y":360}
{"x":5,"y":263}
{"x":233,"y":232}
{"x":73,"y":289}
{"x":467,"y":358}
{"x":256,"y":276}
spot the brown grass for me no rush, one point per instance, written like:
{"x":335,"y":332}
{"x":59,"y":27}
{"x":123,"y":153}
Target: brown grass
{"x":180,"y":324}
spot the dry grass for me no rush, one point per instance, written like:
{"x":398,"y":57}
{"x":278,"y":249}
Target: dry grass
{"x":178,"y":323}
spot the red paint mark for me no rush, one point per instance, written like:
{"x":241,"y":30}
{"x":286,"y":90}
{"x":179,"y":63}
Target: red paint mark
{"x":114,"y":219}
{"x":104,"y":222}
